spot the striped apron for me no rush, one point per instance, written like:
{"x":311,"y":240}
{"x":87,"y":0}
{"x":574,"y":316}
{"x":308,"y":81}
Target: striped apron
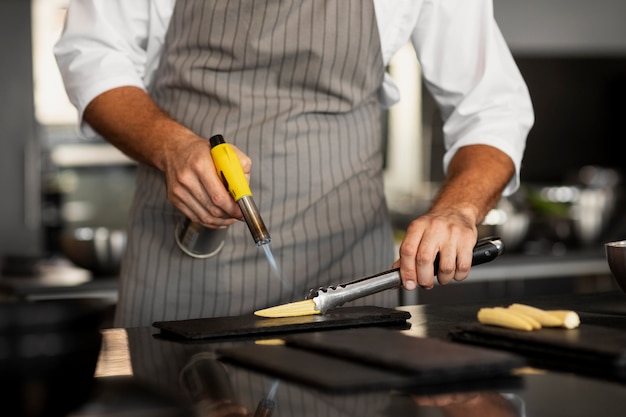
{"x":294,"y":84}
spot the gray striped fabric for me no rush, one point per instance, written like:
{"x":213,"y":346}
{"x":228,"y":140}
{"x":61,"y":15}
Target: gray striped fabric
{"x":294,"y":84}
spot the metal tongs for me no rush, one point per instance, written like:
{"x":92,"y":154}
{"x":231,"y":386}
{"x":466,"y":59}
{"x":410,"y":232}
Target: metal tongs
{"x":326,"y":298}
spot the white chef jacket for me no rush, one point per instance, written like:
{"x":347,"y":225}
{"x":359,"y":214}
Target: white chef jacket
{"x":465,"y":62}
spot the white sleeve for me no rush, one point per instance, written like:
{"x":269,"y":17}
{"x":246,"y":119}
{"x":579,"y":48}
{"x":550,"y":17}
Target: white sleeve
{"x":469,"y":70}
{"x":104,"y":45}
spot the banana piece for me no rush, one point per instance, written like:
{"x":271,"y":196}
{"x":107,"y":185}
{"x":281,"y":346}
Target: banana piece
{"x":545,"y":319}
{"x":502,"y":317}
{"x":568,"y":319}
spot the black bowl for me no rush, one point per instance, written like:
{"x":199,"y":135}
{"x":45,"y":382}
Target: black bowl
{"x":616,"y":258}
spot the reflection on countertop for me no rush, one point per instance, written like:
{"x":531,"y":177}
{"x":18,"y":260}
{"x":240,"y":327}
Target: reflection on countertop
{"x":114,"y":357}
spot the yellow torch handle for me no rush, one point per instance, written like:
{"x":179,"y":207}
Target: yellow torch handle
{"x":229,"y":168}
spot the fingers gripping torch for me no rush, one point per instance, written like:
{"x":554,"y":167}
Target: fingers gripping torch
{"x":200,"y":242}
{"x":230,"y":170}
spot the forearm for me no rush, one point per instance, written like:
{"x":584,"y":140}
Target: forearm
{"x":477,"y":174}
{"x":129,"y":119}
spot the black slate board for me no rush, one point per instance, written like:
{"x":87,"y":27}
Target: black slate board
{"x":250,"y":325}
{"x":589,"y":349}
{"x":423,"y":359}
{"x":319,"y":371}
{"x":356,"y":360}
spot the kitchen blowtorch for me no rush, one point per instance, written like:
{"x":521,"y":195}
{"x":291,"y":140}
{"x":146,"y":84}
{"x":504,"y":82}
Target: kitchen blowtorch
{"x":202,"y":242}
{"x":230,"y":170}
{"x":325,"y":298}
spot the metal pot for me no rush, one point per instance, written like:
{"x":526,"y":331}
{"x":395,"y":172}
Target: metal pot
{"x":97,"y":249}
{"x":576,"y":215}
{"x":508,"y":222}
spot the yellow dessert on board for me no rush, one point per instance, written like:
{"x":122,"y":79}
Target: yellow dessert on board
{"x":527,"y":318}
{"x":500,"y":316}
{"x":567,"y":318}
{"x":542,"y":316}
{"x":531,"y":320}
{"x":298,"y":308}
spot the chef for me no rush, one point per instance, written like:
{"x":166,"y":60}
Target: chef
{"x":297,"y":87}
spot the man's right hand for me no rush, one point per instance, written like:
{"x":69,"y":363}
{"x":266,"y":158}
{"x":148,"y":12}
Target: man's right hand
{"x":128,"y":118}
{"x":194,"y":187}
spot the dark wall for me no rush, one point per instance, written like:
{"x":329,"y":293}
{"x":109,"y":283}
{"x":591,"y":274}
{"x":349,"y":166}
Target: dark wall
{"x":19,"y":205}
{"x":572,"y":54}
{"x":580,"y":117}
{"x":580,"y":110}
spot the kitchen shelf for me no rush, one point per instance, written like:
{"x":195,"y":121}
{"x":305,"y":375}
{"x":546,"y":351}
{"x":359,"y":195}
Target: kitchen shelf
{"x":53,"y":279}
{"x":519,"y":272}
{"x":508,"y":267}
{"x":522,"y":266}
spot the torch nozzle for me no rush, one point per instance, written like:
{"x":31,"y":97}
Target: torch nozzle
{"x":254,"y":220}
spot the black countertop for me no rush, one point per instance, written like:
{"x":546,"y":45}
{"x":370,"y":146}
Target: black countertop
{"x":141,"y":373}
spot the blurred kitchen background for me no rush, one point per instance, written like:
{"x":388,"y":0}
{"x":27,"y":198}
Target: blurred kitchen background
{"x":65,"y":199}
